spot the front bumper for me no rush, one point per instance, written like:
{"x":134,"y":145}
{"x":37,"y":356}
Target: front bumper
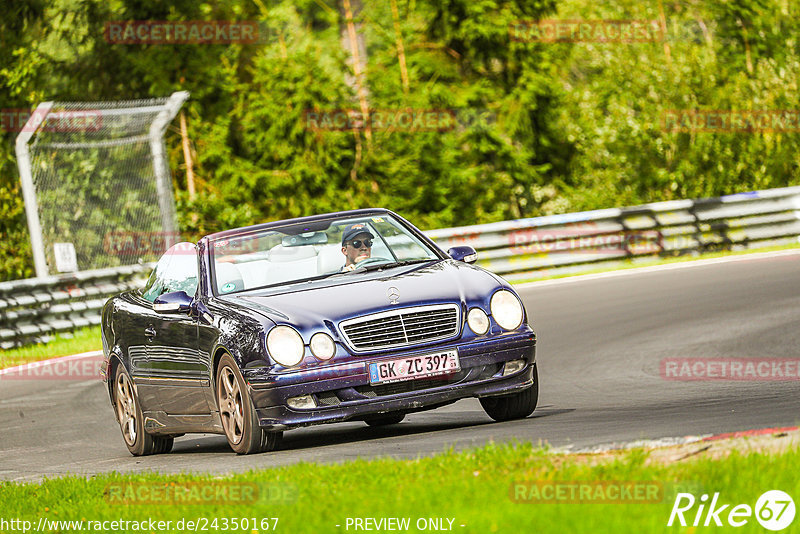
{"x":342,"y":391}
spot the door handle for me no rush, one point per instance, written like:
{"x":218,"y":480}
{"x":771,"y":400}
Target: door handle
{"x":150,"y":332}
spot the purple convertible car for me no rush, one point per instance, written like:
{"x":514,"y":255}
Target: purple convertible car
{"x":347,"y":316}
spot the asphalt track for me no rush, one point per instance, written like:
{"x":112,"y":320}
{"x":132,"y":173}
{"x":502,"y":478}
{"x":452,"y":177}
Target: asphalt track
{"x":601,"y":341}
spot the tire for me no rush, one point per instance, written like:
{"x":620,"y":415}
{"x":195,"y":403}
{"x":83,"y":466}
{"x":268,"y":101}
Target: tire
{"x":515,"y":406}
{"x":385,"y":420}
{"x":131,"y":420}
{"x":237,"y":414}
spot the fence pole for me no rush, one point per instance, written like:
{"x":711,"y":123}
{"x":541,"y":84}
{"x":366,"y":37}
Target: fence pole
{"x":28,"y":190}
{"x":160,"y":167}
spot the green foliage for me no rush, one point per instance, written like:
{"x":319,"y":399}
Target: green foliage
{"x":571,"y":126}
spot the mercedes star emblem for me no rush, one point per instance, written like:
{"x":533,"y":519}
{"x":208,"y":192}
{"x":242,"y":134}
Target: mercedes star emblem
{"x":394,"y":295}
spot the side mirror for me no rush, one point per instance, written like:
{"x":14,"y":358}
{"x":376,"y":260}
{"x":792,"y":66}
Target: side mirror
{"x":465,"y":254}
{"x":175,"y":302}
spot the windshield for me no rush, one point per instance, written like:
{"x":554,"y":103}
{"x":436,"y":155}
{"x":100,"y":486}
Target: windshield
{"x":343,"y":247}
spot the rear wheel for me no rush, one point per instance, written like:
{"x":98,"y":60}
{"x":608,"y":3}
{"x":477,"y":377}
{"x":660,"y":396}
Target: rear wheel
{"x":131,"y":421}
{"x":239,"y":418}
{"x":385,"y":420}
{"x":514,"y":406}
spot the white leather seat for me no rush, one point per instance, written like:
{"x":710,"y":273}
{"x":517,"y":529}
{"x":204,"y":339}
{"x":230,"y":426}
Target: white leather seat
{"x":255,"y":273}
{"x":292,"y":263}
{"x":330,"y":259}
{"x":227,"y":274}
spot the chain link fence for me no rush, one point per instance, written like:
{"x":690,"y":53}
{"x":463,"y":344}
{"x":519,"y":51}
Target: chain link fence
{"x":94,"y":177}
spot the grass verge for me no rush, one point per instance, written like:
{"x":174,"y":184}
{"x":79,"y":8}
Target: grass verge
{"x":475,"y":489}
{"x":64,"y":344}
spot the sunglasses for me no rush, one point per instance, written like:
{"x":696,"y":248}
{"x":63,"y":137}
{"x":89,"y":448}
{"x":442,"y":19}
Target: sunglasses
{"x":357,"y":243}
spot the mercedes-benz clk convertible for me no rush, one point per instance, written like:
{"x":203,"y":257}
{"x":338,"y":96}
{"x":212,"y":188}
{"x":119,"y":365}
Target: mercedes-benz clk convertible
{"x":351,"y":316}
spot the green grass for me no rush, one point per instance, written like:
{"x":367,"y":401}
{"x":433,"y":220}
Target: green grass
{"x":472,"y":487}
{"x":82,"y":340}
{"x":629,"y":264}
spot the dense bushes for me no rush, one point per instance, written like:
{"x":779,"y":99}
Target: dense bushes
{"x":543,"y":127}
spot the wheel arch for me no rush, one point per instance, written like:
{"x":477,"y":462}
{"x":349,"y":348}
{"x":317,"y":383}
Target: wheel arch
{"x":219,"y":352}
{"x":115,"y":359}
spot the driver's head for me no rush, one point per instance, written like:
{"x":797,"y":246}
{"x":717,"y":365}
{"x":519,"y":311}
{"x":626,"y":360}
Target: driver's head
{"x":356,"y":243}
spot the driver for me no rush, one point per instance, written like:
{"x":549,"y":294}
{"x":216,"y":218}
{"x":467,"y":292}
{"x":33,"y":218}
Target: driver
{"x":356,"y":245}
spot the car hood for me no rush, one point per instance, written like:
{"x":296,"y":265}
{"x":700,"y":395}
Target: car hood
{"x":311,"y":308}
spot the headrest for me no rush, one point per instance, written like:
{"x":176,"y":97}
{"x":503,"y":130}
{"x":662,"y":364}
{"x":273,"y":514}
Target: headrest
{"x":229,"y":278}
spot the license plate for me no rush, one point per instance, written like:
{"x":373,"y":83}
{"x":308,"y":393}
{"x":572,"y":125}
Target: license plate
{"x":411,"y":367}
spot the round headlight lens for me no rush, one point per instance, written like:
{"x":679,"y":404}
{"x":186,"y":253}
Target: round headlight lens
{"x":478,"y":321}
{"x":506,"y":310}
{"x":285,"y":346}
{"x":322,"y":346}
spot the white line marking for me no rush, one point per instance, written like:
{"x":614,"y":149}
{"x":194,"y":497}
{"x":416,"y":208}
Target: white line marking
{"x":42,"y":363}
{"x":657,"y":268}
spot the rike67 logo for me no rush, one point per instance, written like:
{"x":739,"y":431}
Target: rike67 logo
{"x":774,"y":510}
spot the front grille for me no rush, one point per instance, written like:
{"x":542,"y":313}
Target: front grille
{"x":402,"y":328}
{"x":407,"y":386}
{"x":328,"y":398}
{"x":464,"y":376}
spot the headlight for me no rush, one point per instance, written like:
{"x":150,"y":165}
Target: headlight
{"x":285,"y":346}
{"x":506,"y":310}
{"x":322,"y":346}
{"x":478,"y":321}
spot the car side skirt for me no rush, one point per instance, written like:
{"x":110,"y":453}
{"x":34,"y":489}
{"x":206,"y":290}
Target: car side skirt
{"x":160,"y":423}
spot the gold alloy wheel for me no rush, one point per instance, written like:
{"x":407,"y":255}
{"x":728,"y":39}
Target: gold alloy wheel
{"x":231,"y":410}
{"x":126,"y":408}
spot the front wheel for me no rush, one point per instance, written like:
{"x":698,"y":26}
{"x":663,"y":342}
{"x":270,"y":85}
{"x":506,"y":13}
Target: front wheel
{"x":131,"y":421}
{"x":239,"y":418}
{"x":514,"y":406}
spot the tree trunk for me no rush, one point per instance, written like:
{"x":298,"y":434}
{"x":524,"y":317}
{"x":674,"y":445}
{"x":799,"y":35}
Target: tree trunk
{"x":353,"y":43}
{"x":401,"y":53}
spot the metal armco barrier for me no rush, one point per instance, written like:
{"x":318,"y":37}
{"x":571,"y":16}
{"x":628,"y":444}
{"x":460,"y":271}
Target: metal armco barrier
{"x":32,"y":309}
{"x":576,"y":242}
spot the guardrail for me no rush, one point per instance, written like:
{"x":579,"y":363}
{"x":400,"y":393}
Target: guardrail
{"x":575,"y":242}
{"x":33,"y":309}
